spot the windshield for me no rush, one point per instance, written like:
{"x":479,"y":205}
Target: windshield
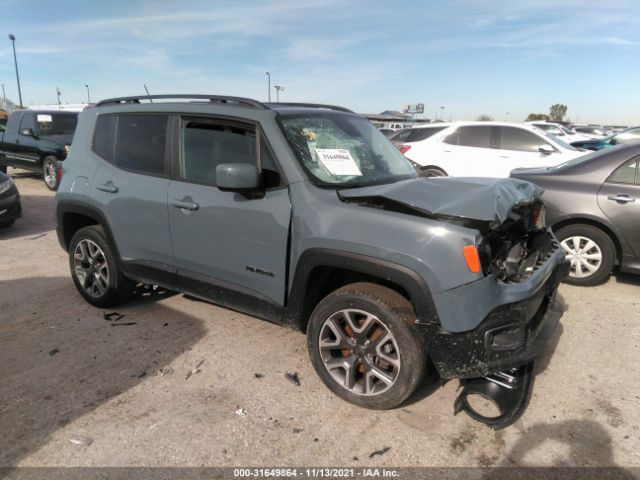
{"x":56,"y":124}
{"x":583,"y":158}
{"x":344,"y":150}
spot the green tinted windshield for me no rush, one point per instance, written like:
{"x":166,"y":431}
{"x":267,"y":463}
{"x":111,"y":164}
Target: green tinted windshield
{"x":344,"y":150}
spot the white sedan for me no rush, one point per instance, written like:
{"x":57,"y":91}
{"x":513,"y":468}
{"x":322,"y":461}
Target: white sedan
{"x":481,"y":149}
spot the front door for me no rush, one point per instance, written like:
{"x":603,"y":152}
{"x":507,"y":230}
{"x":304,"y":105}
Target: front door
{"x":619,"y":199}
{"x":228,"y":246}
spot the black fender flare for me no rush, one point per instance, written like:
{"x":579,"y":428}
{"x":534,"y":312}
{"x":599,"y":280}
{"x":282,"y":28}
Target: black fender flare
{"x":408,"y":279}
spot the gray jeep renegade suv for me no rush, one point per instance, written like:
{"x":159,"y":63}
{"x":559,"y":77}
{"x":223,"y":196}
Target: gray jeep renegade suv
{"x":306,"y":215}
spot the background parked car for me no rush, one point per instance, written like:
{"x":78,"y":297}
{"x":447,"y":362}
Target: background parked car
{"x":593,"y":204}
{"x":387,"y":132}
{"x":9,"y":201}
{"x":592,"y":131}
{"x":561,"y":131}
{"x":37,"y":141}
{"x":483,"y":149}
{"x":623,"y":136}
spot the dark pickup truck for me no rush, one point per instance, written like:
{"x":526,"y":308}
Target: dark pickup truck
{"x":37,"y":140}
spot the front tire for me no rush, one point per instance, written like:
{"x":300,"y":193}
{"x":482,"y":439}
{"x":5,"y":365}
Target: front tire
{"x":50,"y":172}
{"x":8,"y":223}
{"x":364,"y":346}
{"x":591,"y":252}
{"x":95,"y":271}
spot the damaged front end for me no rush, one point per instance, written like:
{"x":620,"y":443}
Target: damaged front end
{"x":490,"y":330}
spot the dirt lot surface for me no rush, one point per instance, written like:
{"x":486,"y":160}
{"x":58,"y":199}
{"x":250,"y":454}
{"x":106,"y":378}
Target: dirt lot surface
{"x":161,"y":385}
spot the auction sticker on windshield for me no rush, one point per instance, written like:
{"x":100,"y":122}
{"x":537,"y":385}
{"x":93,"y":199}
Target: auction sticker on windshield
{"x":338,"y":161}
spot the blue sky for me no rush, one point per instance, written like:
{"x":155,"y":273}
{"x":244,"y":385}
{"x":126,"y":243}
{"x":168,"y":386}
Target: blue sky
{"x":470,"y":56}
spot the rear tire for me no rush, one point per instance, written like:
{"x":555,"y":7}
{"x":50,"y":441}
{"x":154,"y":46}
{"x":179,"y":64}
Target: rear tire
{"x":95,"y":270}
{"x":591,"y":251}
{"x":3,"y":168}
{"x":364,"y":345}
{"x":7,"y":224}
{"x":50,"y":172}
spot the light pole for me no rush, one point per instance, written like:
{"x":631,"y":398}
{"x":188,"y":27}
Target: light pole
{"x":88,"y":96}
{"x":442,"y":113}
{"x":15,"y":61}
{"x":58,"y":93}
{"x":278,"y":90}
{"x":4,"y":97}
{"x":269,"y":86}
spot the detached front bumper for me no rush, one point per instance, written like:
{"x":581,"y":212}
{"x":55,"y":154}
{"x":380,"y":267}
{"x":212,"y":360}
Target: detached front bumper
{"x":511,"y":334}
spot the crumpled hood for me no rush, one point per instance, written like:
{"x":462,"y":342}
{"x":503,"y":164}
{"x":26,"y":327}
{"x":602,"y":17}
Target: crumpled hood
{"x":484,"y":199}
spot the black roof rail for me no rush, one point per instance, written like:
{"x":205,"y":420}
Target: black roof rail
{"x":211,"y":98}
{"x":312,"y":105}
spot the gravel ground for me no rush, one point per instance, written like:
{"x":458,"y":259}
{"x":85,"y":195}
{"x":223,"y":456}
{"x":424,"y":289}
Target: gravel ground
{"x":161,"y":385}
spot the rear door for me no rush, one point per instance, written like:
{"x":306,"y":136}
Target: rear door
{"x":130,"y":188}
{"x":619,"y":199}
{"x":228,"y":246}
{"x":467,"y":152}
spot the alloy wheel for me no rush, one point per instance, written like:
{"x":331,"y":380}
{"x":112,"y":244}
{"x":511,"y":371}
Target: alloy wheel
{"x":585,"y":256}
{"x":359,"y":352}
{"x":50,"y":174}
{"x":90,"y":267}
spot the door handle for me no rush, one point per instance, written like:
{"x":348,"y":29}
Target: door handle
{"x":621,"y":198}
{"x":107,"y":187}
{"x":185,"y":204}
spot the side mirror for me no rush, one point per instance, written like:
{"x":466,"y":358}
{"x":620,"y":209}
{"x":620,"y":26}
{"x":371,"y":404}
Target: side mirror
{"x":546,"y":149}
{"x":27,"y":132}
{"x":234,"y":177}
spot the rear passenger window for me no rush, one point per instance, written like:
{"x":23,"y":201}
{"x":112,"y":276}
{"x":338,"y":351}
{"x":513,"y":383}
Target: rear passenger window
{"x":512,"y":138}
{"x":140,"y":143}
{"x":102,"y":137}
{"x":418,"y":134}
{"x":207,"y":144}
{"x":471,"y":136}
{"x":627,"y":173}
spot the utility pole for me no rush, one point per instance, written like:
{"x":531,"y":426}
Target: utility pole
{"x":269,"y":85}
{"x":278,"y":90}
{"x":88,"y":96}
{"x":58,"y":93}
{"x":15,"y":61}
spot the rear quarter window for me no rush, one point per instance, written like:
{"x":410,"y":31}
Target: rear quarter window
{"x":103,"y":137}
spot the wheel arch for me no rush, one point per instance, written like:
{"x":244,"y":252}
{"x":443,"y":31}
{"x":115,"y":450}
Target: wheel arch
{"x":71,"y":216}
{"x":322,"y":271}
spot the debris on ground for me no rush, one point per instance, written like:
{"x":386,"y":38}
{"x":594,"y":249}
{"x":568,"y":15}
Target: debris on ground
{"x":293,"y":378}
{"x":355,"y":459}
{"x":194,"y":370}
{"x":164,"y":371}
{"x":54,"y":351}
{"x":122,"y":324}
{"x":80,"y":440}
{"x":241,"y":412}
{"x":38,"y":236}
{"x":298,"y":430}
{"x":258,"y":375}
{"x":379,"y":452}
{"x":112,"y":316}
